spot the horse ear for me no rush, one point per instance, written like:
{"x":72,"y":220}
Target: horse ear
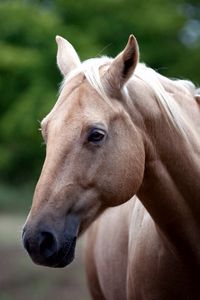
{"x":67,"y":58}
{"x":123,"y":65}
{"x":197,"y":97}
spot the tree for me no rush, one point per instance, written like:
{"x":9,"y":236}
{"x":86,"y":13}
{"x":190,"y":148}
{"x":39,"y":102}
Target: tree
{"x":28,"y":75}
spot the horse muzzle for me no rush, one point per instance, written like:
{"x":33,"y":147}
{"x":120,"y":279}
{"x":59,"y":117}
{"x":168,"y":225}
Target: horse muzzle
{"x":49,"y":246}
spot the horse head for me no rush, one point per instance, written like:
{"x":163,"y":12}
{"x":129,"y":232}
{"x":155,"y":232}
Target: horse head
{"x":94,"y":153}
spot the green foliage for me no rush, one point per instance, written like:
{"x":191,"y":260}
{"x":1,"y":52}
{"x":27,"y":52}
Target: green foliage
{"x":28,"y":79}
{"x":168,"y":33}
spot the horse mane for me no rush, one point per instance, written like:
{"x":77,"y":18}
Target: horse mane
{"x":91,"y":69}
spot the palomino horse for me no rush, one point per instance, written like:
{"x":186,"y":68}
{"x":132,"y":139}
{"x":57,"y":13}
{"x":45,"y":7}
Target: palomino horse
{"x":120,"y":129}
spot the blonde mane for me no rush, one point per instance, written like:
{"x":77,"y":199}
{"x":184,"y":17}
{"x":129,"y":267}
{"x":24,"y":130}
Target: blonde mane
{"x":91,"y":69}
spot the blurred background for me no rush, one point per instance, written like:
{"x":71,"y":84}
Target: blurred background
{"x":168,"y":34}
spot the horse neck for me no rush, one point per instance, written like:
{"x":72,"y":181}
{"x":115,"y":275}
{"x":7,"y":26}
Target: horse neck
{"x":170,"y":190}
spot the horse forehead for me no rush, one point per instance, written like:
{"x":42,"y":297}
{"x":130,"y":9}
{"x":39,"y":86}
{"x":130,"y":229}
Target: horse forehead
{"x":84,"y":103}
{"x":79,"y":101}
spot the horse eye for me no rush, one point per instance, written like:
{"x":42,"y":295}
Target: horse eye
{"x":96,"y":136}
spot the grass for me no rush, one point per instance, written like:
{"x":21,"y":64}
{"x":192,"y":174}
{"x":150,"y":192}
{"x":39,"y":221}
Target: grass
{"x":20,"y":279}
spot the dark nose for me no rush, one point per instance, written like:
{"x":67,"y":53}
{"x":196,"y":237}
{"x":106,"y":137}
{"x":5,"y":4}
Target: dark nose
{"x":42,"y":247}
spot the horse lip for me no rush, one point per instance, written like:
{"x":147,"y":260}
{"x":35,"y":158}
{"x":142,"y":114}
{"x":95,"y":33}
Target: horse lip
{"x":62,"y":258}
{"x":72,"y":226}
{"x":69,"y":255}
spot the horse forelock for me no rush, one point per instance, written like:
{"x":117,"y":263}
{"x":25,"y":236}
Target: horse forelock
{"x":91,"y":70}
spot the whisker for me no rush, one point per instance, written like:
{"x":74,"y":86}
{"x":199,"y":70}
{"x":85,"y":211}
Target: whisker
{"x":43,"y":144}
{"x":100,"y":53}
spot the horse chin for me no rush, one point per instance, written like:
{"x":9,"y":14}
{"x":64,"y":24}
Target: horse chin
{"x":68,"y":257}
{"x":67,"y":252}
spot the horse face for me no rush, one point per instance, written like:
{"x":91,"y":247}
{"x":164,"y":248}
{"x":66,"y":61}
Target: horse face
{"x":94,"y":159}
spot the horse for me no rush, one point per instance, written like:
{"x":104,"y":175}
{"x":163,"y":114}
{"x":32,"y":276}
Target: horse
{"x":122,"y":159}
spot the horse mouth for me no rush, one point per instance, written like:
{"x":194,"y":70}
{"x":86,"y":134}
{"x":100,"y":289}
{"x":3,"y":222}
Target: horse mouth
{"x":50,"y":247}
{"x":69,"y":255}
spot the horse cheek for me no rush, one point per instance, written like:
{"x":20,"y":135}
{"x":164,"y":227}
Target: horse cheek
{"x":122,"y":175}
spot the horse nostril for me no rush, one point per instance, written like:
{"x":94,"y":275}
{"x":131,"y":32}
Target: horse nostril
{"x":47,"y":244}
